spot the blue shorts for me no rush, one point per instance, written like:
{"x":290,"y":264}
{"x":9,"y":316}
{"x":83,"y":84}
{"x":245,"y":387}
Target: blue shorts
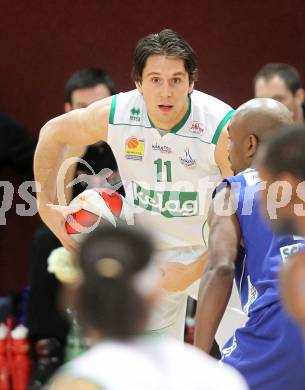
{"x":268,"y":351}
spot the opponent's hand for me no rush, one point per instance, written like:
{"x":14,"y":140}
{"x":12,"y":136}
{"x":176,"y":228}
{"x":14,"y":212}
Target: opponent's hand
{"x":54,"y":217}
{"x":178,"y":277}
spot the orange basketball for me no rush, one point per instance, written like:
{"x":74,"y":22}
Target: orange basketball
{"x":132,"y":143}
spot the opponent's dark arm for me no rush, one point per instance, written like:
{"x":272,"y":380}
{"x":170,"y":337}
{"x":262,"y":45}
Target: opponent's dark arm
{"x":216,"y":283}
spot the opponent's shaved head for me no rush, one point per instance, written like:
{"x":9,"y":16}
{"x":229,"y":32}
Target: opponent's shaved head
{"x":259,"y":116}
{"x":249,"y":124}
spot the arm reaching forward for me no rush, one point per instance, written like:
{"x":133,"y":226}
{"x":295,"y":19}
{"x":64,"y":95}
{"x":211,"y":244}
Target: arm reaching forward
{"x":78,"y":127}
{"x":216,"y":282}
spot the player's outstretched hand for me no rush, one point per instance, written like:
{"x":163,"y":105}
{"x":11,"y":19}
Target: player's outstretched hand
{"x":54,"y":216}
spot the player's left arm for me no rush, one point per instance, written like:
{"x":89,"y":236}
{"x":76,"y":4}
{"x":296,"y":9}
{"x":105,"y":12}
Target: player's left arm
{"x":216,"y":283}
{"x":221,"y":153}
{"x":76,"y":152}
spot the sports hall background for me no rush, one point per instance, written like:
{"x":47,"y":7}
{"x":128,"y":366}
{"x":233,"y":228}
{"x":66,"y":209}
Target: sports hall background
{"x":43,"y":42}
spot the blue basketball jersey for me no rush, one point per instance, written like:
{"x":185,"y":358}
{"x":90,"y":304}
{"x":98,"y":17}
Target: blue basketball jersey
{"x":268,"y":350}
{"x":262,"y":252}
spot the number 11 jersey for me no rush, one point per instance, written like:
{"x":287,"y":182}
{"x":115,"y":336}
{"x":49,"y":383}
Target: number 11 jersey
{"x":169,"y":176}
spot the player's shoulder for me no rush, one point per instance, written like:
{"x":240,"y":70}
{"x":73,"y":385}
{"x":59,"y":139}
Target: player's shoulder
{"x":245,"y":186}
{"x":209,"y":104}
{"x":132,"y":94}
{"x":128,"y":108}
{"x":248,"y":177}
{"x":209,"y":116}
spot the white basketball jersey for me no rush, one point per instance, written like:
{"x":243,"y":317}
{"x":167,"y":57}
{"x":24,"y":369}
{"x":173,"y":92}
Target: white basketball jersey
{"x":156,"y":364}
{"x":169,"y":177}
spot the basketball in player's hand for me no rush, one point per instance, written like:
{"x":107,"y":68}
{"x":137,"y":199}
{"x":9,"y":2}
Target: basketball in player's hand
{"x":97,"y":206}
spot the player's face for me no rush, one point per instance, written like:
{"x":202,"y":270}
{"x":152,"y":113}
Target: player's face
{"x":165,"y":87}
{"x":275,"y":88}
{"x":83,"y":97}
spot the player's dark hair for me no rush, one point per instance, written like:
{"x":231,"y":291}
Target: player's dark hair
{"x":287,"y":73}
{"x":284,"y":151}
{"x":109,"y":303}
{"x":167,"y":43}
{"x":88,"y":78}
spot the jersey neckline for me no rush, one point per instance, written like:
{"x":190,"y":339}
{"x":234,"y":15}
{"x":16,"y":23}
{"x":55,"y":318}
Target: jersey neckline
{"x":179,"y":126}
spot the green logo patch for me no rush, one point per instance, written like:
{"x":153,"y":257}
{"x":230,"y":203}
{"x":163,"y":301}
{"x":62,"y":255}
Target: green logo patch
{"x":170,"y":204}
{"x":135,"y":114}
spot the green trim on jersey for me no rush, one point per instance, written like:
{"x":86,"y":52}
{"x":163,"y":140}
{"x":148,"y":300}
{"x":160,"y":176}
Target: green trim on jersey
{"x":202,"y":230}
{"x":112,"y":109}
{"x":221,"y":126}
{"x":182,"y":122}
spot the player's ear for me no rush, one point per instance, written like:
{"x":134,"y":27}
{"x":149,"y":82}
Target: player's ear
{"x":191,"y":87}
{"x":300,"y":95}
{"x":68,"y":107}
{"x":139,"y":86}
{"x":252,"y":145}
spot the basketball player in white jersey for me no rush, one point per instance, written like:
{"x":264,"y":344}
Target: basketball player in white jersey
{"x":170,"y":143}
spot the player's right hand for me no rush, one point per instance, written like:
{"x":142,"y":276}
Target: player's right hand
{"x":54,"y":216}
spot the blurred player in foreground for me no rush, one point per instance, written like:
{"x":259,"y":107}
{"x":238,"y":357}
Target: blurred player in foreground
{"x":118,"y":284}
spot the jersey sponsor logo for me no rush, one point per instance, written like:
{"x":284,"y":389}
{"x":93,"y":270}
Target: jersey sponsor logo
{"x":289,"y":250}
{"x":135,"y":114}
{"x":170,"y":204}
{"x":162,"y":148}
{"x":134,"y":148}
{"x":187,"y":159}
{"x":196,"y":128}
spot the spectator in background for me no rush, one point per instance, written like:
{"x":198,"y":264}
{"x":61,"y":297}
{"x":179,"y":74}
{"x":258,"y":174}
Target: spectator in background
{"x":48,"y":329}
{"x":281,"y":82}
{"x":17,"y":148}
